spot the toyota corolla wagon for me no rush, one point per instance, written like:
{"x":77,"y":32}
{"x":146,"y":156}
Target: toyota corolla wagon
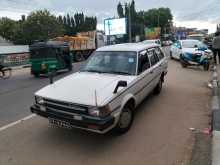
{"x":104,"y":94}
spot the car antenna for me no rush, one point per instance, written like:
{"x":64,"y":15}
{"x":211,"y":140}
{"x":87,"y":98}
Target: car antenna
{"x":96,"y":104}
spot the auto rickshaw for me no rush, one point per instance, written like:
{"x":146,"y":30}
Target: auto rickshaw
{"x":51,"y":56}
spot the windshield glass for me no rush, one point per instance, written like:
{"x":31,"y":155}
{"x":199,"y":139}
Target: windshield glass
{"x":112,"y":62}
{"x":192,"y":44}
{"x":149,"y":42}
{"x":42,"y":53}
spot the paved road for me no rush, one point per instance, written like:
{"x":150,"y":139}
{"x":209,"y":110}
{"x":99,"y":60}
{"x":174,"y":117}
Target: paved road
{"x":160,"y":134}
{"x":16,"y":94}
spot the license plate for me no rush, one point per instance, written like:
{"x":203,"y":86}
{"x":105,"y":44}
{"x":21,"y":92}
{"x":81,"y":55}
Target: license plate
{"x":60,"y":123}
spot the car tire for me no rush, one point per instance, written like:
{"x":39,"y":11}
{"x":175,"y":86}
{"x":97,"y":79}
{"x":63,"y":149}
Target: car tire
{"x":183,"y":64}
{"x":125,"y":120}
{"x":36,"y":75}
{"x":171,"y":55}
{"x":158,"y":88}
{"x":79,"y":57}
{"x":206,"y":66}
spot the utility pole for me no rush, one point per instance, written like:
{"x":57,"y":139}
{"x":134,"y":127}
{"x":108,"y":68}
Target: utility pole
{"x":129,"y":18}
{"x":158,"y":19}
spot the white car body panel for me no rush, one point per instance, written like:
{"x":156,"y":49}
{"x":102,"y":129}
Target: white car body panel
{"x":96,"y":89}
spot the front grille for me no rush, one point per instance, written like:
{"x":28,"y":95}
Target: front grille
{"x":65,"y":107}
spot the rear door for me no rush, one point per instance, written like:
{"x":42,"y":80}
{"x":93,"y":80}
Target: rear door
{"x":144,"y":76}
{"x":156,"y":67}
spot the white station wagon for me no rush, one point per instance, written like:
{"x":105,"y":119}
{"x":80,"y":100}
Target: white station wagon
{"x":103,"y":95}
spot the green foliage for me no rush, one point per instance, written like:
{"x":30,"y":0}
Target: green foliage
{"x":120,"y":10}
{"x":42,"y":25}
{"x":7,"y":27}
{"x":77,"y":23}
{"x":161,"y":17}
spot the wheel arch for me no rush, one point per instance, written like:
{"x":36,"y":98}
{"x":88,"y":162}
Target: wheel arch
{"x":128,"y":100}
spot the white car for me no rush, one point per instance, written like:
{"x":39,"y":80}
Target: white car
{"x":187,"y":46}
{"x":157,"y":41}
{"x":105,"y":92}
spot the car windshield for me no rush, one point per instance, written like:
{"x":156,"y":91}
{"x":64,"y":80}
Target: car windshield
{"x":149,"y":42}
{"x":114,"y":62}
{"x":192,"y":44}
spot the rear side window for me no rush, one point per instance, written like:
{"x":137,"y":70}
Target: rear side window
{"x":159,"y":53}
{"x":153,"y":57}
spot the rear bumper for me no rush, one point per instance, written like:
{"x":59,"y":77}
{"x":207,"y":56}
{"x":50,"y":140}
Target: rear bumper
{"x":98,"y":125}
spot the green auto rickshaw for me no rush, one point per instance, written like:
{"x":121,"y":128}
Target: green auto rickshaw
{"x":46,"y":57}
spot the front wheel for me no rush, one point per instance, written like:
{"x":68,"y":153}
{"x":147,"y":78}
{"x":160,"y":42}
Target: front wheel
{"x":159,"y":87}
{"x":6,"y":73}
{"x":125,"y":120}
{"x":171,"y":55}
{"x":206,"y":66}
{"x":184,"y":65}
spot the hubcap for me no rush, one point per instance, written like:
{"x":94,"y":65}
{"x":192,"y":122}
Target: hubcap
{"x":125,"y":119}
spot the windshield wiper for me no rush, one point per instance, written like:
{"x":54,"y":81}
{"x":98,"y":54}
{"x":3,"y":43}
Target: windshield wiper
{"x":91,"y":70}
{"x":120,"y":72}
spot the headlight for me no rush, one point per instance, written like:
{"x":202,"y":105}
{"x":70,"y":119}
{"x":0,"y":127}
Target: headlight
{"x":43,"y":66}
{"x":99,"y":111}
{"x":39,"y":100}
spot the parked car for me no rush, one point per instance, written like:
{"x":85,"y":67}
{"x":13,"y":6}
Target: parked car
{"x":157,"y":41}
{"x":188,"y":47}
{"x":104,"y":93}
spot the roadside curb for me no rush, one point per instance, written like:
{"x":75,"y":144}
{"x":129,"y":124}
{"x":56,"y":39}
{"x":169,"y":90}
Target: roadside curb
{"x":20,"y":67}
{"x":215,"y":118}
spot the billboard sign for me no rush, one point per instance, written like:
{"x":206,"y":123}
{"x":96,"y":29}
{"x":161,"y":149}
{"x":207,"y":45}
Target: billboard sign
{"x":152,"y":33}
{"x":115,"y":26}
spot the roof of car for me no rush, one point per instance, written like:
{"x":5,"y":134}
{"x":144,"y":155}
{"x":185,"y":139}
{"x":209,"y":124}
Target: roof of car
{"x":134,"y":47}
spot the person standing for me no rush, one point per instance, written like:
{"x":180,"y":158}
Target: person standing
{"x":216,"y":46}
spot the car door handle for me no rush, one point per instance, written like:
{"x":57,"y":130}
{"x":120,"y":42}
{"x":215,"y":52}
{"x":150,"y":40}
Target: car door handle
{"x":151,"y":72}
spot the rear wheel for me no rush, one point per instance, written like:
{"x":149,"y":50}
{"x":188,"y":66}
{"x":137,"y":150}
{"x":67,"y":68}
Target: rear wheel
{"x":206,"y":66}
{"x":79,"y":57}
{"x":125,"y":120}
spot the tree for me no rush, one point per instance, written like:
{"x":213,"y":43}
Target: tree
{"x":7,"y":27}
{"x":41,"y":25}
{"x":120,"y":10}
{"x":23,"y":18}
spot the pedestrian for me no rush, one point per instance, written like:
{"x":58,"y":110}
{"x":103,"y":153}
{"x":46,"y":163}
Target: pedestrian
{"x":67,"y":59}
{"x":216,"y":46}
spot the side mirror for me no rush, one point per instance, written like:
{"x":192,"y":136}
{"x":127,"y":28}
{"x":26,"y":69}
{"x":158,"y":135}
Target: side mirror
{"x":120,"y":84}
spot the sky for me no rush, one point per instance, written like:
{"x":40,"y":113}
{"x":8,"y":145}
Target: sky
{"x":190,"y":13}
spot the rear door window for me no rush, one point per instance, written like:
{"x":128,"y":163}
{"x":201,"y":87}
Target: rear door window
{"x":154,"y":59}
{"x":144,"y":62}
{"x":159,"y":53}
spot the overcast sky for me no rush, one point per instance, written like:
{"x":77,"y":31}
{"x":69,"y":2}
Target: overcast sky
{"x":191,"y":13}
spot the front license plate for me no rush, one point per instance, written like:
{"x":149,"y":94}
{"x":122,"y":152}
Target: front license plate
{"x":60,"y":123}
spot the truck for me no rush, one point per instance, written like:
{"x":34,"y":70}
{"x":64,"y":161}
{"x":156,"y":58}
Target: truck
{"x":83,"y":44}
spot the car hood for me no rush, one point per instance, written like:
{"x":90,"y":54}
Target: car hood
{"x":81,"y":87}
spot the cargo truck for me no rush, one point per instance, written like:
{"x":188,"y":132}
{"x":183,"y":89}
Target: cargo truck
{"x":83,"y":44}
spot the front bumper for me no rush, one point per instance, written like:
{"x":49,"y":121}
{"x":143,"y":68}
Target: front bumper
{"x":98,"y":125}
